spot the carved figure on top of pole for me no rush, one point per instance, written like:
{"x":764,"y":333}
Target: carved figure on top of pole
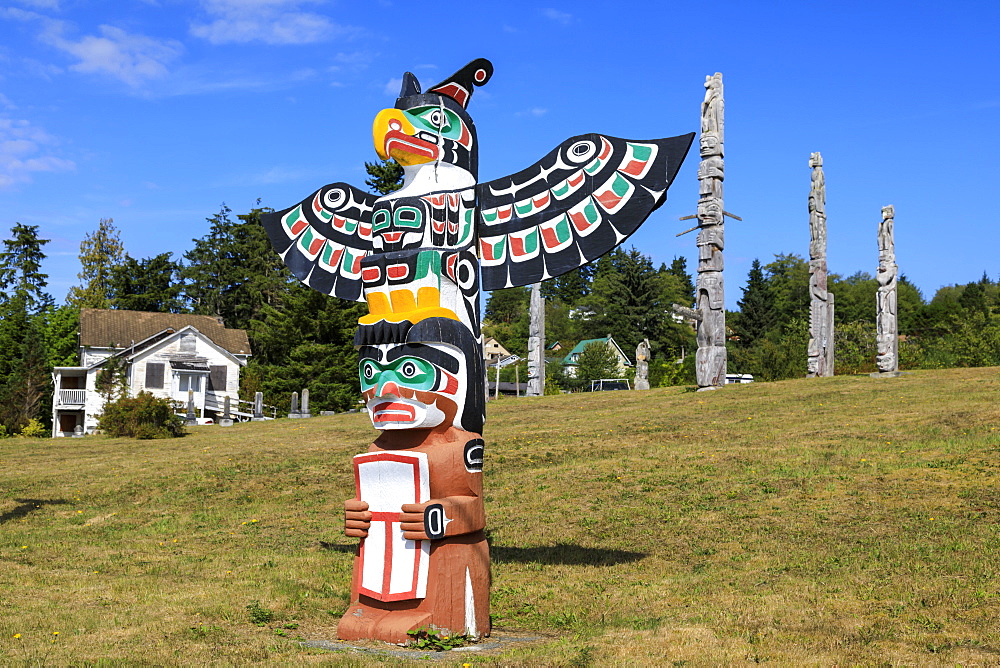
{"x":419,"y":257}
{"x":710,"y":360}
{"x":536,"y":343}
{"x":887,"y":330}
{"x":820,"y":350}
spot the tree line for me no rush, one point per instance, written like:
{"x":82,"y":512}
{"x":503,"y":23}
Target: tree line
{"x":301,"y":338}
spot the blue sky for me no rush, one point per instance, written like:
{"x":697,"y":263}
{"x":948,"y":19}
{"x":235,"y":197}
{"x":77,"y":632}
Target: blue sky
{"x":155,"y":112}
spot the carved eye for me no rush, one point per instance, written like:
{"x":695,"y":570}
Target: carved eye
{"x":409,"y":369}
{"x":368,"y":370}
{"x":436,"y":118}
{"x":334,"y":198}
{"x":581,"y":151}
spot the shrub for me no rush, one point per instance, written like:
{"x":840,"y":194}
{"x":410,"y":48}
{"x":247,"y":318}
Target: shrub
{"x":141,"y":416}
{"x":34,"y":429}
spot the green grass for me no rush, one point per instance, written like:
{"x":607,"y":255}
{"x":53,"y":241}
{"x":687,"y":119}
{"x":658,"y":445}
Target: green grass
{"x":845,"y":521}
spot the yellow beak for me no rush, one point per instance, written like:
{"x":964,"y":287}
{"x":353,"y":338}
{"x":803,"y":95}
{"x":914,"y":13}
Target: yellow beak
{"x":393,"y":133}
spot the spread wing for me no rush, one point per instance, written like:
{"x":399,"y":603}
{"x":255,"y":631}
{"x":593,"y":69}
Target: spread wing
{"x":323,"y":238}
{"x":578,"y":202}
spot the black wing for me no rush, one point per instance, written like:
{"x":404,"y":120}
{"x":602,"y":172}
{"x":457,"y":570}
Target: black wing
{"x":578,"y":202}
{"x":323,"y":238}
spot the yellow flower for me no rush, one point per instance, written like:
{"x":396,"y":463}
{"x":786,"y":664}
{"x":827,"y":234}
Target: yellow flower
{"x":17,"y":635}
{"x":55,"y":633}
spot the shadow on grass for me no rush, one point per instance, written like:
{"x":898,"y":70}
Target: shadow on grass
{"x":563,"y":553}
{"x":560,"y":553}
{"x":28,"y":506}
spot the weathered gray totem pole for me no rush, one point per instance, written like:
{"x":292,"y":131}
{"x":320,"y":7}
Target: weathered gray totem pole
{"x":887,"y":332}
{"x":642,"y":355}
{"x":710,"y":360}
{"x":536,"y":343}
{"x":820,"y":351}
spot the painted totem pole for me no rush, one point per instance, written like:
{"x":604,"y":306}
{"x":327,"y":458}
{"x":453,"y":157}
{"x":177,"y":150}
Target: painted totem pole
{"x":420,"y":257}
{"x":887,"y":330}
{"x":820,"y":350}
{"x":710,"y":360}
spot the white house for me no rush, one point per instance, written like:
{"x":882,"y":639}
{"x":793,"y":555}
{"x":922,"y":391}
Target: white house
{"x":571,"y":363}
{"x":167,"y":354}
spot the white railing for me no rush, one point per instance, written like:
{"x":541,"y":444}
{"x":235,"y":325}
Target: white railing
{"x":72,"y":397}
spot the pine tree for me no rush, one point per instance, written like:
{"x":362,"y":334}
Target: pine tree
{"x":24,"y":377}
{"x":756,"y":309}
{"x":626,"y":299}
{"x":100,"y":252}
{"x":232,"y":272}
{"x":149,"y":284}
{"x":387,"y":176}
{"x":305,"y":341}
{"x":678,"y":268}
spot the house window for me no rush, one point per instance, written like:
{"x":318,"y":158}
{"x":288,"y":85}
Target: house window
{"x":154,"y":375}
{"x":190,"y":381}
{"x":217,"y":378}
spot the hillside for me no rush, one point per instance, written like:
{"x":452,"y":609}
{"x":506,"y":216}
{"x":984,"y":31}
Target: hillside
{"x":842,"y":520}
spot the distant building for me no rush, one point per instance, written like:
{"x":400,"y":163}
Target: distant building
{"x":571,"y":362}
{"x":167,"y":354}
{"x":493,"y":351}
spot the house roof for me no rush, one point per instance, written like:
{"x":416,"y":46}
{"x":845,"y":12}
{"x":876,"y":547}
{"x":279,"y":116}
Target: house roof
{"x":578,"y":349}
{"x":101,"y":327}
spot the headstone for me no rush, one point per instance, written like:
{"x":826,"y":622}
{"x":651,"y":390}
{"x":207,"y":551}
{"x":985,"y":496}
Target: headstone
{"x":536,"y":343}
{"x":294,"y":413}
{"x":227,"y":418}
{"x":305,"y":404}
{"x":191,"y":419}
{"x":820,"y":349}
{"x":420,"y":258}
{"x":258,"y":407}
{"x":78,"y":431}
{"x":642,"y":365}
{"x":887,"y":328}
{"x":710,"y":360}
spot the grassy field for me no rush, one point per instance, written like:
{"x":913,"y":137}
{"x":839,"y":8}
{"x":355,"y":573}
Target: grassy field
{"x":840,"y":521}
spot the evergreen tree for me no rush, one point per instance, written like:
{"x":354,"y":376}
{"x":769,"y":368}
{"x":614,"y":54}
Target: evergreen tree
{"x":507,"y":318}
{"x":626,"y":300}
{"x":756,"y":314}
{"x":100,"y":252}
{"x":305,"y":340}
{"x":232,"y":272}
{"x":973,"y":299}
{"x":386,"y":176}
{"x":678,"y":268}
{"x":149,"y":284}
{"x":570,"y":287}
{"x":24,"y":373}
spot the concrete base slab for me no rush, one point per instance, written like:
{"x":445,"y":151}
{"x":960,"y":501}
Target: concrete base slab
{"x":225,"y":423}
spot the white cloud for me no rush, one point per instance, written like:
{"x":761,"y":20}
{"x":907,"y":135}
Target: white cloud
{"x":268,"y":21}
{"x":22,"y":152}
{"x":40,"y":4}
{"x":534,"y":111}
{"x":559,"y":17}
{"x":131,"y":58}
{"x":392,"y":87}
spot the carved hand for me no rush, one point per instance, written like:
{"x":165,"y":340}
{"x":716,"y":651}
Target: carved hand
{"x":357,"y":518}
{"x":424,"y":521}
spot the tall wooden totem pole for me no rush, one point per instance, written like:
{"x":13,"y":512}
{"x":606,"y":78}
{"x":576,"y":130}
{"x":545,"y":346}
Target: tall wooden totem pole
{"x":887,"y":327}
{"x":420,"y":257}
{"x":820,"y":350}
{"x":710,"y":360}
